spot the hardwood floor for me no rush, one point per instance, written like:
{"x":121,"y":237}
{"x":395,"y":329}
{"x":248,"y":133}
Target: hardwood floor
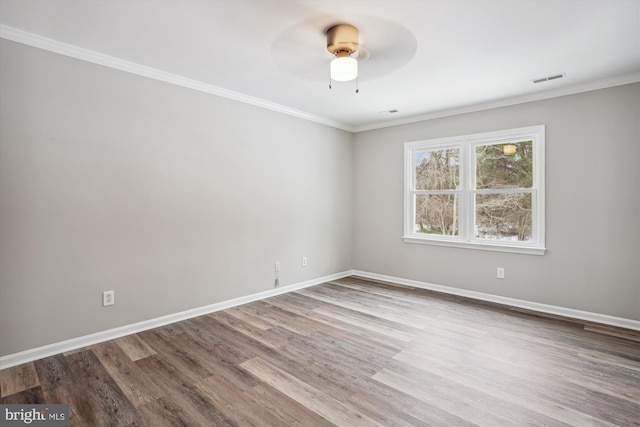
{"x":348,"y":353}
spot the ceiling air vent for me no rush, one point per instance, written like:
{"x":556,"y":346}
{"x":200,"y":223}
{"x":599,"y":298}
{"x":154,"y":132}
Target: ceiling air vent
{"x":549,"y":78}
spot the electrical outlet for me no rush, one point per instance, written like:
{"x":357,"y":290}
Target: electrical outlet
{"x":108,"y":298}
{"x":276,"y":266}
{"x":500,"y":273}
{"x":304,"y":261}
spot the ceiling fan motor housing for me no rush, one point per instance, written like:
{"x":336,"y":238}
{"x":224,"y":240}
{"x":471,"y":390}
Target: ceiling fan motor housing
{"x":341,"y":39}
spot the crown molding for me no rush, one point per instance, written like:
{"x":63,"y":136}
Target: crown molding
{"x":55,"y":46}
{"x":521,"y":99}
{"x":33,"y":40}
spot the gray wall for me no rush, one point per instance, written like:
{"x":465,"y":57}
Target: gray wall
{"x":178,"y":199}
{"x":592,"y":206}
{"x":173,"y":198}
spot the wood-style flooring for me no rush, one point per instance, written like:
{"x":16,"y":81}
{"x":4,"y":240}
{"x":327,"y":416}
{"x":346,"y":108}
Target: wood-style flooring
{"x":348,"y":353}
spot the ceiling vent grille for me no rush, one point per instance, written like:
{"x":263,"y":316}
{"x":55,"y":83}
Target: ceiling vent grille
{"x":549,"y":78}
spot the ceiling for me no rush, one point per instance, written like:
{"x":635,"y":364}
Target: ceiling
{"x":427,"y":58}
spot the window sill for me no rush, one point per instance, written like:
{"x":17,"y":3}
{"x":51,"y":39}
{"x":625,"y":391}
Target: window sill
{"x":528,"y":250}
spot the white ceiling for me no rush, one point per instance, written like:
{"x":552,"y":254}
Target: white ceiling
{"x":427,"y":58}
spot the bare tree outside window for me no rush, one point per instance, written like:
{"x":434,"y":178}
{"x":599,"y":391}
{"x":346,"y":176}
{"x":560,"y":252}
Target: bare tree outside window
{"x":439,"y":171}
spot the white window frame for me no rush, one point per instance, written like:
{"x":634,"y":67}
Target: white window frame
{"x":467,"y":191}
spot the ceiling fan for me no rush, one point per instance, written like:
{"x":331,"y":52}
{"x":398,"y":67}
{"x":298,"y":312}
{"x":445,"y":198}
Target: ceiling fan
{"x":370,"y":48}
{"x":343,"y":41}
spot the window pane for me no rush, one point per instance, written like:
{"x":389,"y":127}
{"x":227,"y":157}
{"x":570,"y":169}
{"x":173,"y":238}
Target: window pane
{"x":436,"y":214}
{"x":437,"y":169}
{"x":500,"y":166}
{"x":503,"y":217}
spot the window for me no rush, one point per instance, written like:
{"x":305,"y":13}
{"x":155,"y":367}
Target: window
{"x":482,"y":191}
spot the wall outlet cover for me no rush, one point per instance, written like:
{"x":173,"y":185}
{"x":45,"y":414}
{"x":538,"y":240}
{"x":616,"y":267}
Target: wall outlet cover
{"x":108,"y":298}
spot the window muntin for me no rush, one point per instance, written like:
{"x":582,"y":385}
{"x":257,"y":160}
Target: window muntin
{"x":483,"y":191}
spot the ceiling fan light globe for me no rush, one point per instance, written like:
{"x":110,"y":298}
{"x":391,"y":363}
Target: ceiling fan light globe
{"x":344,"y":69}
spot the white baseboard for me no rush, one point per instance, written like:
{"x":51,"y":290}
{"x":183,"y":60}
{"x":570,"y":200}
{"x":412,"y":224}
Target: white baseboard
{"x":544,"y":308}
{"x":98,"y":337}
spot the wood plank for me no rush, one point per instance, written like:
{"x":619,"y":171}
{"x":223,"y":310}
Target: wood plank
{"x":135,"y":347}
{"x":92,"y":379}
{"x":495,"y":384}
{"x":83,"y":408}
{"x":184,"y":393}
{"x":176,"y":351}
{"x":31,"y":396}
{"x":284,"y":319}
{"x":307,"y":395}
{"x":627,"y":334}
{"x":18,"y":378}
{"x":53,"y":372}
{"x":245,"y":346}
{"x":249,"y":315}
{"x":366,"y":322}
{"x":133,"y":382}
{"x":236,"y":404}
{"x":323,"y":294}
{"x":385,"y":404}
{"x":307,"y":364}
{"x":406,"y":310}
{"x":266,"y":337}
{"x":165,"y":412}
{"x":287,"y":409}
{"x":373,"y":341}
{"x":611,"y":409}
{"x":455,"y":407}
{"x":431,"y":415}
